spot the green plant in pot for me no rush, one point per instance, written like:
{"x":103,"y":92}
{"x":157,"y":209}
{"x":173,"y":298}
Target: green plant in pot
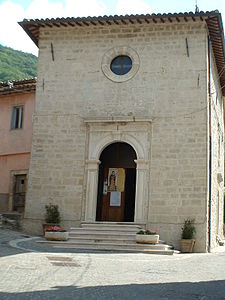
{"x":52,"y":216}
{"x":188,"y":233}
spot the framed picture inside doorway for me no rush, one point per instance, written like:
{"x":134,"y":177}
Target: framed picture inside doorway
{"x":112,"y":179}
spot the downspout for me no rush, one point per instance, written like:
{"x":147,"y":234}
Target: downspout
{"x":210,"y":146}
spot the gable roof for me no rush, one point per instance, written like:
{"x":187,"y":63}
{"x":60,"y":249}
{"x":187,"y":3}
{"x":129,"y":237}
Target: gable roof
{"x":18,"y":86}
{"x":213,"y":20}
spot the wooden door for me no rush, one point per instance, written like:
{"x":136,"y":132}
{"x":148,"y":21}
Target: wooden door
{"x":19,"y":193}
{"x":116,"y":204}
{"x":113,"y":201}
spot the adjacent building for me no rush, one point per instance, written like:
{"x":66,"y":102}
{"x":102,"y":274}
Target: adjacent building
{"x":129,"y":122}
{"x":16,"y":110}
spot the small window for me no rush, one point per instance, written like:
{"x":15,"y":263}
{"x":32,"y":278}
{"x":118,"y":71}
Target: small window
{"x":17,"y":117}
{"x":121,"y":65}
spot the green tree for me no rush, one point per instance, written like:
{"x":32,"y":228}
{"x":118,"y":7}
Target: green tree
{"x":16,"y":65}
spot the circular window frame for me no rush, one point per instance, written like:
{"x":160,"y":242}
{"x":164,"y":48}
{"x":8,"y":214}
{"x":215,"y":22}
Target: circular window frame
{"x":113,"y":53}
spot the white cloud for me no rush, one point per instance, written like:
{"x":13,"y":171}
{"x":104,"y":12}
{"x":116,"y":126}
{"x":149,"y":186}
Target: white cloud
{"x":222,"y":11}
{"x":132,"y":7}
{"x":10,"y":13}
{"x":85,"y":8}
{"x":11,"y":34}
{"x":44,"y":9}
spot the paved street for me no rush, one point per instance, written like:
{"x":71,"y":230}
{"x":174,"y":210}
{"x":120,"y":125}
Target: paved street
{"x":47,"y":273}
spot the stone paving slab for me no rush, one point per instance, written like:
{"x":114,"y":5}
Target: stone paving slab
{"x":43,"y":274}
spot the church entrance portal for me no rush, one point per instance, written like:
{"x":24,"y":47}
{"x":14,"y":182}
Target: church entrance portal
{"x":116,"y":184}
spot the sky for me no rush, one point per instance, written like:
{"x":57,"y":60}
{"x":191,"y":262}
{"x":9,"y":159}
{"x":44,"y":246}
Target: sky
{"x":12,"y":11}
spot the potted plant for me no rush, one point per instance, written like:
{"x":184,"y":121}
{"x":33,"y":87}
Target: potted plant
{"x":188,"y":232}
{"x":147,"y":236}
{"x":56,"y":233}
{"x":52,"y":216}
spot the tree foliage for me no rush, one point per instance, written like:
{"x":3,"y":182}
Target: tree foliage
{"x":16,"y":65}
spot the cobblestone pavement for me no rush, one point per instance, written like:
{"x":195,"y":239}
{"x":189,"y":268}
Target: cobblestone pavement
{"x":46,"y":274}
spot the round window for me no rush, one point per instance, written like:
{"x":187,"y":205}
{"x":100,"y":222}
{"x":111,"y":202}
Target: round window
{"x":121,"y":65}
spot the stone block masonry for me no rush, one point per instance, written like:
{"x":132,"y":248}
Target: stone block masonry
{"x":169,"y":88}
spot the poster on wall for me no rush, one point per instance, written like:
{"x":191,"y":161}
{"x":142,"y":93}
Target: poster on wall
{"x":115,"y":199}
{"x":116,"y":179}
{"x":120,"y":180}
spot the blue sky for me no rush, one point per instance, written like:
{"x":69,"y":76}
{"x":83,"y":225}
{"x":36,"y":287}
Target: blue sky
{"x":12,"y":11}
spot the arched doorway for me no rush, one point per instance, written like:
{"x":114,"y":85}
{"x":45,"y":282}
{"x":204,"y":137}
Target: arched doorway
{"x":116,"y":184}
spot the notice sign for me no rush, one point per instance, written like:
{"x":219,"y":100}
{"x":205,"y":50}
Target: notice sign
{"x":115,"y":199}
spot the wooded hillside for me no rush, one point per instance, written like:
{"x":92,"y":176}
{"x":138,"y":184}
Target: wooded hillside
{"x":16,"y":65}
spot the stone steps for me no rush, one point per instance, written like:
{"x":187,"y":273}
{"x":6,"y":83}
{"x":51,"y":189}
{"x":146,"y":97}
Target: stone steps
{"x":101,"y":232}
{"x":138,"y":248}
{"x":13,"y":215}
{"x":11,"y":220}
{"x":116,"y":244}
{"x":129,"y":227}
{"x":101,"y":235}
{"x":109,"y":236}
{"x":131,"y":238}
{"x":105,"y":229}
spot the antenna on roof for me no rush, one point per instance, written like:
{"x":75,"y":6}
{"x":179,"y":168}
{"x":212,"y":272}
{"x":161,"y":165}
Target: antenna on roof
{"x":196,"y":6}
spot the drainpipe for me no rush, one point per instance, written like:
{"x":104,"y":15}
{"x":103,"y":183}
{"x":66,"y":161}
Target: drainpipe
{"x":210,"y":147}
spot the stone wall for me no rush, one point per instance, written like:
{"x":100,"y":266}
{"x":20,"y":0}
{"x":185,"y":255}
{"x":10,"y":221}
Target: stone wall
{"x":170,"y":87}
{"x":217,"y":202}
{"x":4,"y":202}
{"x":15,"y":143}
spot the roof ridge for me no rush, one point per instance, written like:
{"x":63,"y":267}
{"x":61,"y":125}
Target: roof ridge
{"x":25,"y":80}
{"x":191,"y":13}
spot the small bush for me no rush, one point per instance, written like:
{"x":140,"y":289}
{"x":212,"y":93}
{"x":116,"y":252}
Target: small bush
{"x":52,"y":214}
{"x":188,"y":231}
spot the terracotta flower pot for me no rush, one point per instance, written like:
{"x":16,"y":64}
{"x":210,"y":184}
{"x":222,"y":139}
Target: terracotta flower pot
{"x":187,"y":246}
{"x":147,"y":238}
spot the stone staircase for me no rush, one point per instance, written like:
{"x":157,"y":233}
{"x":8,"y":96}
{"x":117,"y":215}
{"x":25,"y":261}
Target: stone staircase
{"x":11,"y":220}
{"x":110,"y":236}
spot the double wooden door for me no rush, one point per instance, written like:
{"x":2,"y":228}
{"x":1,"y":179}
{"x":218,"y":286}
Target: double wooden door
{"x":117,"y":205}
{"x":112,"y":199}
{"x":116,"y":184}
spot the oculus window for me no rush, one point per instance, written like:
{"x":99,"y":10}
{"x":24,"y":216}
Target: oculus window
{"x":121,"y":65}
{"x":17,"y":117}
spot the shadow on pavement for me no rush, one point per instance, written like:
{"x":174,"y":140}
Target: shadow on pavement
{"x":6,"y":236}
{"x":208,"y":290}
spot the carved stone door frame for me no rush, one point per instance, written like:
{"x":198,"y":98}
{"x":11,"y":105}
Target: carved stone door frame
{"x":101,"y":133}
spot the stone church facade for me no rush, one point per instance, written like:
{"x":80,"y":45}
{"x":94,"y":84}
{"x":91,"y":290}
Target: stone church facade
{"x":136,"y":101}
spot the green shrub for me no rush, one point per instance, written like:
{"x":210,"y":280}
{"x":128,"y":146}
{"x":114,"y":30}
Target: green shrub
{"x":52,"y":214}
{"x":188,"y":231}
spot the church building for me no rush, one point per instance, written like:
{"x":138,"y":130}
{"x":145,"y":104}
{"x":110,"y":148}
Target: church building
{"x":129,"y":124}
